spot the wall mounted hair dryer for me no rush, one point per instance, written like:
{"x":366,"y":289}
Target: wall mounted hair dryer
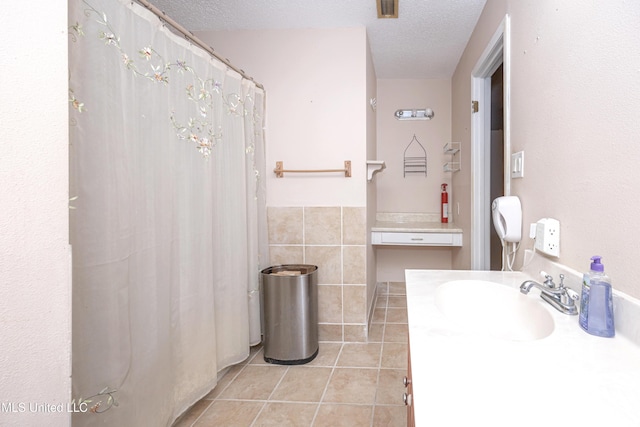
{"x":507,"y":218}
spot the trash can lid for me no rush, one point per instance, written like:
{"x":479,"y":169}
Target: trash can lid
{"x":290,"y":269}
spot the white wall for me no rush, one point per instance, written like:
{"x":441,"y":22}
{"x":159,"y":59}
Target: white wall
{"x":35,"y":288}
{"x":575,"y":85}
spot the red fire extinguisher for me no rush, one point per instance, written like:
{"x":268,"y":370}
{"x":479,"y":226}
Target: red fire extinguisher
{"x":444,"y":205}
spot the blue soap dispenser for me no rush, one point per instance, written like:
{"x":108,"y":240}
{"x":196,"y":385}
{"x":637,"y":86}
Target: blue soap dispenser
{"x":596,"y":301}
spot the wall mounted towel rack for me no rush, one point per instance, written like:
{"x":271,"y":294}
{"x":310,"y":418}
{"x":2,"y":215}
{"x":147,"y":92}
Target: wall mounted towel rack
{"x":279,"y":170}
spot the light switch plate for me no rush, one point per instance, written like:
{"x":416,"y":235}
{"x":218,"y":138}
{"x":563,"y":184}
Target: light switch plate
{"x":517,"y":165}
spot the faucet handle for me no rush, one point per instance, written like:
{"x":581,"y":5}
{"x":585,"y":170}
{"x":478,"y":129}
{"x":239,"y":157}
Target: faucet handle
{"x":561,"y":285}
{"x":549,"y":281}
{"x":573,"y":294}
{"x":569,"y":298}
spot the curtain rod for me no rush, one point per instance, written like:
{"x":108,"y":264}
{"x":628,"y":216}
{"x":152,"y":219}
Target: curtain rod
{"x":193,"y":39}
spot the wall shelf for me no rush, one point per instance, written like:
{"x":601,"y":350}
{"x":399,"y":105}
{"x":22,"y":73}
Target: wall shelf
{"x":451,"y":167}
{"x":452,"y":149}
{"x":373,"y":167}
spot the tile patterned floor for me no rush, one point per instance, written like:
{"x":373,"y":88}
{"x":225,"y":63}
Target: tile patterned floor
{"x":348,"y":384}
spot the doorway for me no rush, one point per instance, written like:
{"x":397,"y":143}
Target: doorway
{"x":496,"y":160}
{"x":495,"y":57}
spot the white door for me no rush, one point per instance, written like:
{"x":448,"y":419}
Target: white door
{"x":495,"y":54}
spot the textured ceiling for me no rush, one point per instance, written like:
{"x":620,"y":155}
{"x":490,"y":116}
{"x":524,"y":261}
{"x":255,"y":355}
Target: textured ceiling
{"x":426,"y":41}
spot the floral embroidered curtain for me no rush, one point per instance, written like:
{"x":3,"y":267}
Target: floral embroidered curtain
{"x":168,"y":218}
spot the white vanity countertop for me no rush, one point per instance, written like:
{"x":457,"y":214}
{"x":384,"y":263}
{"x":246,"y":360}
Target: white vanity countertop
{"x":415,"y":227}
{"x":412,"y":223}
{"x":464,"y":379}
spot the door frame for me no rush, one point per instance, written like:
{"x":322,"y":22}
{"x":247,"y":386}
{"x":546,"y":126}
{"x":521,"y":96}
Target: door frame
{"x":497,"y":51}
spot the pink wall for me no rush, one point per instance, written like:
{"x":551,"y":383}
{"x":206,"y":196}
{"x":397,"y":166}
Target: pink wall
{"x":574,"y":113}
{"x":319,"y":114}
{"x":316,"y":83}
{"x":491,"y":17}
{"x":372,"y":187}
{"x":415,"y":192}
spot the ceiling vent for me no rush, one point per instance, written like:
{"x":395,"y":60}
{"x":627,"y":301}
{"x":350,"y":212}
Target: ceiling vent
{"x":387,"y":8}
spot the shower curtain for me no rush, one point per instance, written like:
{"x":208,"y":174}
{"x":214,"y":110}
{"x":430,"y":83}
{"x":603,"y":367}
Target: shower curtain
{"x":168,"y":216}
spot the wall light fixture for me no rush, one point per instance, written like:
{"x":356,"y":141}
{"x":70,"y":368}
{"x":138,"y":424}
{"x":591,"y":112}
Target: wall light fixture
{"x":414,"y":114}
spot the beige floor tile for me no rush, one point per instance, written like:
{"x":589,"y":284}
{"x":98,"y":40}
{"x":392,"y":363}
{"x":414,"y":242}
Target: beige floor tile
{"x":383,"y":288}
{"x":224,"y":381}
{"x":379,"y":315}
{"x":192,"y":414}
{"x":302,"y":384}
{"x":366,"y":355}
{"x":389,"y":416}
{"x":360,"y":384}
{"x":390,"y":387}
{"x":329,"y":332}
{"x":330,"y":415}
{"x":254,"y":382}
{"x":253,"y":352}
{"x":355,"y":333}
{"x":396,"y":315}
{"x":352,"y":385}
{"x":397,"y":301}
{"x":229,"y":413}
{"x":376,"y":331}
{"x":259,"y":359}
{"x":396,"y":332}
{"x":286,"y":414}
{"x":397,"y":288}
{"x":394,"y":355}
{"x":327,"y":354}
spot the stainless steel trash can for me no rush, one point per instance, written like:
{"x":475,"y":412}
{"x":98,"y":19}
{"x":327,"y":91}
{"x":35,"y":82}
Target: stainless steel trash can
{"x":289,"y":296}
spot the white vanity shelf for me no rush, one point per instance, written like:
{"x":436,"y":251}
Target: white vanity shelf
{"x":399,"y":229}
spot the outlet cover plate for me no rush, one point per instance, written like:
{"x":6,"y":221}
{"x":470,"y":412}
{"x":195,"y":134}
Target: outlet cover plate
{"x":548,"y":236}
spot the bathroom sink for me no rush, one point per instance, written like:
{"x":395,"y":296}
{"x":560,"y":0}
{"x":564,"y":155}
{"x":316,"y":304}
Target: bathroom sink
{"x":493,"y":309}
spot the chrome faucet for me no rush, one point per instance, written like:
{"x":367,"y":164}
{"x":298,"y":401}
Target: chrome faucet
{"x":560,"y":297}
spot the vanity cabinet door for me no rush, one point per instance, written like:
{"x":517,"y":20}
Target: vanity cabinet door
{"x":408,"y":394}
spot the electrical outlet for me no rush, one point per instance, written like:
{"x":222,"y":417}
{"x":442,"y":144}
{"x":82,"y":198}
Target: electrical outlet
{"x":548,"y":236}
